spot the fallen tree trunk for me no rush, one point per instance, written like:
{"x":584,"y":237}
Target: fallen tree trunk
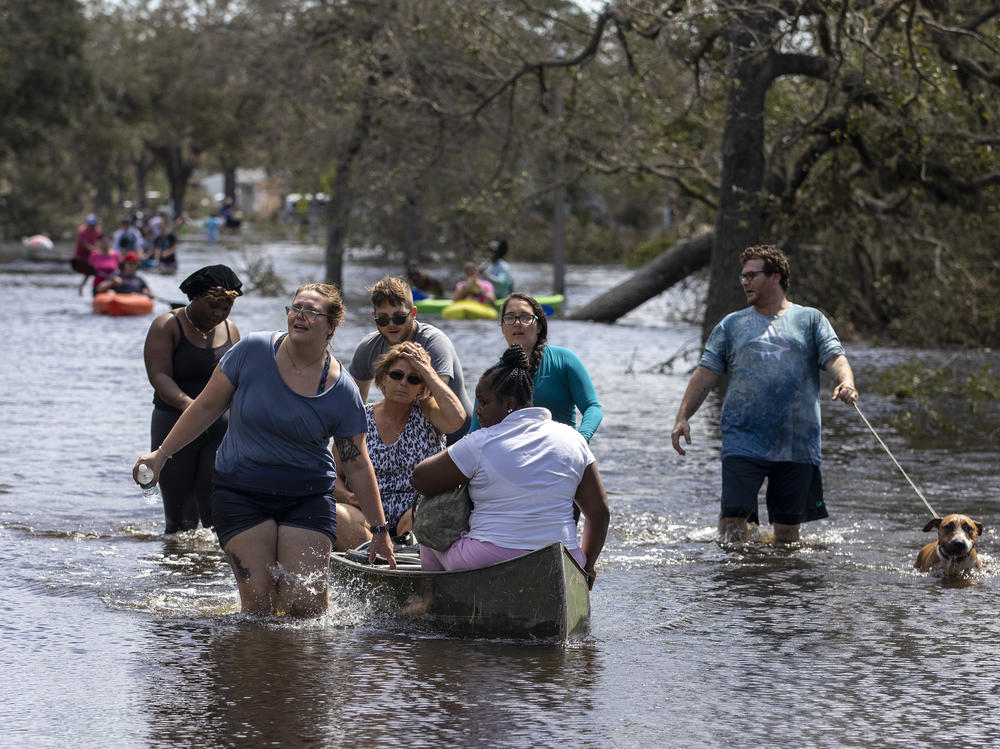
{"x":655,"y":277}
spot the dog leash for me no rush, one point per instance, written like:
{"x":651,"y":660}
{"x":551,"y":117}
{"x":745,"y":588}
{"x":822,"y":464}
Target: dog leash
{"x":885,"y":447}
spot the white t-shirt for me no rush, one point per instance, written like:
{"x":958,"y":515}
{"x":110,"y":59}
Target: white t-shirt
{"x":524,"y":473}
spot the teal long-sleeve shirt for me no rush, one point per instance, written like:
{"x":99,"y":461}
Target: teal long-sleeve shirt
{"x":563,"y":386}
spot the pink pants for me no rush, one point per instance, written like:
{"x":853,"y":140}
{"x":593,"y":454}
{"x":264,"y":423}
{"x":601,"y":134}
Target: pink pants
{"x":467,"y":553}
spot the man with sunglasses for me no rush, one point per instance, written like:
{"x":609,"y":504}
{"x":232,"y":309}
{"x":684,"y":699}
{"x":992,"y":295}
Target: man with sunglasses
{"x":771,"y":353}
{"x":396,"y":321}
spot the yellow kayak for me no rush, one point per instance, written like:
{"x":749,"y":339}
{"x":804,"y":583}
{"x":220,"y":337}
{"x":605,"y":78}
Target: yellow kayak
{"x":469,"y":310}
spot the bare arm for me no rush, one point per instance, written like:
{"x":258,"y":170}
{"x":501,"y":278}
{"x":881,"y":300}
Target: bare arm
{"x":436,"y":473}
{"x":199,"y":416}
{"x":158,"y":353}
{"x":592,"y":499}
{"x":442,"y":407}
{"x":353,"y":455}
{"x":841,"y":370}
{"x":340,"y":491}
{"x":699,"y":386}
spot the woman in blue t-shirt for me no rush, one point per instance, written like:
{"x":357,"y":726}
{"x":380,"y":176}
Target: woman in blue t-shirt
{"x":272,"y":502}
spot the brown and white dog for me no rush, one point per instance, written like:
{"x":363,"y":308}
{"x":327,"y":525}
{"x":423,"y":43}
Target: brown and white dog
{"x":954,"y":552}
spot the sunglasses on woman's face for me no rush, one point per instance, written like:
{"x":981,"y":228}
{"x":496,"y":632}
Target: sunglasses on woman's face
{"x":397,"y":319}
{"x":413,"y":379}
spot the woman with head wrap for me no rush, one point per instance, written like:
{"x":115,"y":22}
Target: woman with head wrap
{"x":182,"y":349}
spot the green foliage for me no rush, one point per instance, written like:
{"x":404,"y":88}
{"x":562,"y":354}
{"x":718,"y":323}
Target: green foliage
{"x":259,"y":276}
{"x":943,"y":399}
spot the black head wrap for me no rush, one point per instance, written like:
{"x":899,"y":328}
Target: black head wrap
{"x":210,"y":277}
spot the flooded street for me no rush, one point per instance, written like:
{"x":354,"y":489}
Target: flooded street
{"x":116,"y":635}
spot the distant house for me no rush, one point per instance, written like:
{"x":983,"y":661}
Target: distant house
{"x":258,"y":194}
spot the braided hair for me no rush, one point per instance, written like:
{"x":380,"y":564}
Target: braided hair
{"x":538,"y":351}
{"x":511,"y":377}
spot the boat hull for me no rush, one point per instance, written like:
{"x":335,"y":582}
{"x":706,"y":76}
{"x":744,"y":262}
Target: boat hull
{"x":540,"y":595}
{"x":468,"y":310}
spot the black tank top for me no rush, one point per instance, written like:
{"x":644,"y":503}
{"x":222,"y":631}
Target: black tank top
{"x":193,"y":366}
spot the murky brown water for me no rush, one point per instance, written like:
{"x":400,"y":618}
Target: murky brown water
{"x":114,"y":635}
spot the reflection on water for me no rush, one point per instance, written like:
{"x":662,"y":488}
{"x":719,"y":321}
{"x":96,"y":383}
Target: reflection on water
{"x":116,"y":635}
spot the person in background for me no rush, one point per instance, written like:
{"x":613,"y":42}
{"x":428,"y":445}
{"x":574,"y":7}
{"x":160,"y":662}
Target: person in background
{"x":473,"y":287}
{"x":423,"y":282}
{"x":105,"y":262}
{"x":212,"y":224}
{"x":147,"y":251}
{"x":126,"y":282}
{"x":272,"y":503}
{"x":182,"y":349}
{"x":87,"y":237}
{"x":560,"y":381}
{"x":126,"y":238}
{"x":165,"y":250}
{"x":396,"y":321}
{"x":497,"y":270}
{"x":771,"y":353}
{"x":406,"y":426}
{"x":525,"y":473}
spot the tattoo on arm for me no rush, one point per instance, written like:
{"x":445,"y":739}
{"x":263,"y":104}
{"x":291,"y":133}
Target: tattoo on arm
{"x":346,"y":448}
{"x":242,"y":573}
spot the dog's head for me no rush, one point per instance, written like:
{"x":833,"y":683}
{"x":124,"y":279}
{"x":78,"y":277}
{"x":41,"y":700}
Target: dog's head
{"x":957,"y":534}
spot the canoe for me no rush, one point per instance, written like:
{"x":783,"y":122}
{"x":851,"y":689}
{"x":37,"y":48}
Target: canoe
{"x":542,"y":594}
{"x":433,"y":306}
{"x":119,"y":305}
{"x":468,"y":309}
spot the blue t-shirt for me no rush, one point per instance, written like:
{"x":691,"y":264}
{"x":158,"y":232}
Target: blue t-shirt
{"x":278,"y":441}
{"x":771,"y":408}
{"x":563,"y":385}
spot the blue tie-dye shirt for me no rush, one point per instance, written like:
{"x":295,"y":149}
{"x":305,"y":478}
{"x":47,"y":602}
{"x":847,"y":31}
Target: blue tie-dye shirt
{"x":771,"y":408}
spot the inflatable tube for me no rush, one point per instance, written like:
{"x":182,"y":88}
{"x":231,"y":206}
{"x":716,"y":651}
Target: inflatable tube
{"x":469,"y":310}
{"x":119,"y":305}
{"x":38,"y":242}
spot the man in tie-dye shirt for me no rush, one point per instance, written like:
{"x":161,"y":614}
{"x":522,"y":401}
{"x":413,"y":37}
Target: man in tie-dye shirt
{"x":771,"y":353}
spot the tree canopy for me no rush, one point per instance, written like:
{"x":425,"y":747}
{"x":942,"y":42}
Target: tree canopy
{"x":859,"y":135}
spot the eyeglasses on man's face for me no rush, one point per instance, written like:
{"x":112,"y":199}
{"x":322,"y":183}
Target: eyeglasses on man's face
{"x":396,"y":319}
{"x":309,"y":315}
{"x":523,"y":319}
{"x":750,"y":275}
{"x":413,"y":379}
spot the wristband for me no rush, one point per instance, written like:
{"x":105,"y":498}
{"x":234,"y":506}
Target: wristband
{"x":169,"y":456}
{"x":380,"y":528}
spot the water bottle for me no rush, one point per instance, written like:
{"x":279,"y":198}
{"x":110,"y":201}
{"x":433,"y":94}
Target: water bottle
{"x":150,"y":491}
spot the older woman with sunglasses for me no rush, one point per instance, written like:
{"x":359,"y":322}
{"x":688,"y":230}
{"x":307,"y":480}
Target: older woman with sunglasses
{"x":561,"y":382}
{"x":409,"y":424}
{"x":272,"y":503}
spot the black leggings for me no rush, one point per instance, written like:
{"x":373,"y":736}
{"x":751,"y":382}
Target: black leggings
{"x":186,"y":479}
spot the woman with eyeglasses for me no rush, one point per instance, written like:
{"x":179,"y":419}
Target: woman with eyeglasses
{"x":272,"y":503}
{"x":525,"y":472}
{"x":181,"y":352}
{"x":561,"y":382}
{"x":409,"y":424}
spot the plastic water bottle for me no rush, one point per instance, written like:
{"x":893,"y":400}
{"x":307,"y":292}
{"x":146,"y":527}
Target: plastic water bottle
{"x":150,"y":491}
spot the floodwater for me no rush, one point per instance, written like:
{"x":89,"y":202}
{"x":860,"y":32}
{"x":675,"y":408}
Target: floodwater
{"x":116,"y":635}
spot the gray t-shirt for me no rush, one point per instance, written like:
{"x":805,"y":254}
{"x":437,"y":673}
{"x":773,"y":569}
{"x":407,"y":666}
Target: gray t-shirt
{"x":771,"y":407}
{"x":443,"y":358}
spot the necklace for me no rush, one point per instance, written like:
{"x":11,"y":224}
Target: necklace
{"x":204,"y":335}
{"x":298,"y":369}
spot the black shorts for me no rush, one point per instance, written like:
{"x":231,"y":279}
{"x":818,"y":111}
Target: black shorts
{"x":794,"y":490}
{"x":237,"y":510}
